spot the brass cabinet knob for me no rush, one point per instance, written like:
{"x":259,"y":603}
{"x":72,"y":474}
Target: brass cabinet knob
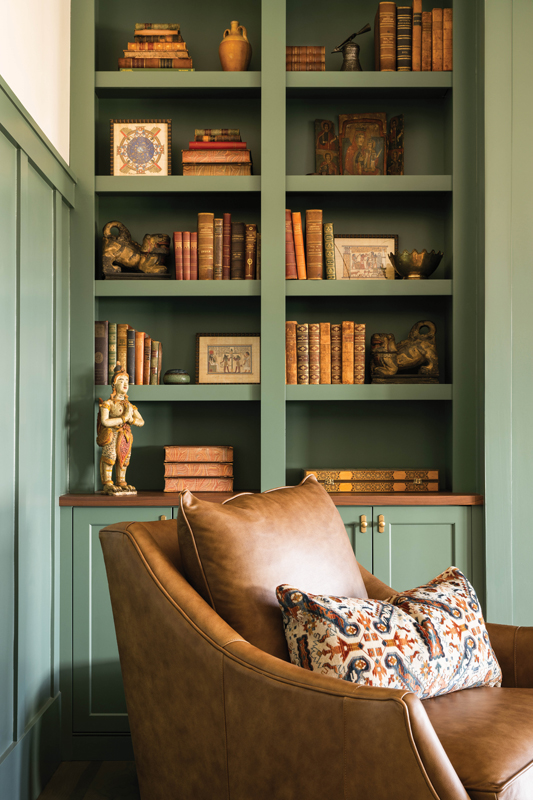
{"x":381,"y":523}
{"x":162,"y":516}
{"x":364,"y":523}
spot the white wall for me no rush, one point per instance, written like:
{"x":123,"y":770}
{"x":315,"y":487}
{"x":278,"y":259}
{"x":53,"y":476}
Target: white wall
{"x":35,"y":62}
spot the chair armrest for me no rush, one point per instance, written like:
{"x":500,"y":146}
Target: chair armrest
{"x":513,"y":646}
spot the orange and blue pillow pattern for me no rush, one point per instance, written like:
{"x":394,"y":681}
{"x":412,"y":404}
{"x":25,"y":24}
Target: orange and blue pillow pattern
{"x":431,"y":640}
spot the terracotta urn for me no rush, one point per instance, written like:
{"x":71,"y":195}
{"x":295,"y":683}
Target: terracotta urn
{"x":235,"y":50}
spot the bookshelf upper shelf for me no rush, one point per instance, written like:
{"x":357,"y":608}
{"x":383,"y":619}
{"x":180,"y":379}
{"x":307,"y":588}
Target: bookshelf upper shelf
{"x":169,"y":83}
{"x":368,"y":183}
{"x":368,"y":391}
{"x":399,"y":288}
{"x":368,"y":84}
{"x":142,"y":184}
{"x":189,"y":392}
{"x":173,"y":288}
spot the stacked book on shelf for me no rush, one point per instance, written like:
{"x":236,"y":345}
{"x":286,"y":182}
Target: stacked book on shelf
{"x":305,"y":260}
{"x":136,"y":350}
{"x":156,"y":45}
{"x":198,"y":469}
{"x":217,"y":151}
{"x":308,"y":58}
{"x":408,"y":39}
{"x":377,"y":480}
{"x":320,"y":352}
{"x":219,"y":250}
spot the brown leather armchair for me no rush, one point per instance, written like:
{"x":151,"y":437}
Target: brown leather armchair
{"x":214,"y":717}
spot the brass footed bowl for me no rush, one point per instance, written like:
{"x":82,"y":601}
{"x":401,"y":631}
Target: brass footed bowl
{"x":415,"y":266}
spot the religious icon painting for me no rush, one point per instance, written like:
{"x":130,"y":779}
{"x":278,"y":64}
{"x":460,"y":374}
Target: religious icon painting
{"x":395,"y":146}
{"x":363,"y":144}
{"x":326,"y":148}
{"x":140,"y":146}
{"x":228,"y":358}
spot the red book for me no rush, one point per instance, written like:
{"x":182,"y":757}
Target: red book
{"x":226,"y":247}
{"x":290,"y":253}
{"x":217,"y":146}
{"x":178,"y":254}
{"x":186,"y":255}
{"x":194,"y":256}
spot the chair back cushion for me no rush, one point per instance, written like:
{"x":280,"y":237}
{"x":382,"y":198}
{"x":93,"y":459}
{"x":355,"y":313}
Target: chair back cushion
{"x":236,"y":553}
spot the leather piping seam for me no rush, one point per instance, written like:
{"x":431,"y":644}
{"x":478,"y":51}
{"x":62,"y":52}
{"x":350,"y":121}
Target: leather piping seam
{"x":515,"y":648}
{"x":511,"y":780}
{"x":225,"y":722}
{"x":237,"y":639}
{"x":242,"y":662}
{"x":416,"y":754}
{"x":197,"y":554}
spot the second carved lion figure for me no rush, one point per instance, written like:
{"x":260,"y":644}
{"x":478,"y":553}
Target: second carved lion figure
{"x":124,"y":258}
{"x":417,"y":352}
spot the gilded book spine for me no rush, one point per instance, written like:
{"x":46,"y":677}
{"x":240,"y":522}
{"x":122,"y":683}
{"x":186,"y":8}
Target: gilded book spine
{"x":130,"y":356}
{"x":447,"y":39}
{"x":199,"y":484}
{"x":217,"y":266}
{"x":112,"y":358}
{"x":302,"y":344}
{"x":314,"y":353}
{"x":198,"y":470}
{"x":226,"y":247}
{"x":164,"y":39}
{"x":165,"y":54}
{"x":347,"y":352}
{"x":154,"y":362}
{"x":387,"y":37}
{"x":160,"y":26}
{"x":233,"y":132}
{"x":101,"y":353}
{"x":205,"y":246}
{"x":336,"y":353}
{"x":193,"y":453}
{"x":379,"y":487}
{"x":417,"y":35}
{"x":406,"y":475}
{"x":404,"y":39}
{"x":237,"y":251}
{"x":186,"y":241}
{"x":325,"y":352}
{"x":122,"y":344}
{"x":290,"y":253}
{"x":291,"y":358}
{"x":216,"y":146}
{"x":250,"y":245}
{"x":139,"y":357}
{"x":155,"y":63}
{"x":216,"y":156}
{"x":147,"y":45}
{"x":426,"y":41}
{"x":217,"y":169}
{"x":436,"y":40}
{"x":147,"y":360}
{"x":299,"y":245}
{"x":221,"y":138}
{"x":194,"y":255}
{"x":329,"y":251}
{"x":359,"y":354}
{"x":178,"y":254}
{"x":313,"y":241}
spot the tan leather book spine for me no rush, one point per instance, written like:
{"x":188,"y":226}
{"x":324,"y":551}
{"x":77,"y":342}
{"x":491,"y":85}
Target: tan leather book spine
{"x":166,"y":54}
{"x":291,"y":357}
{"x":377,"y":487}
{"x":302,"y":346}
{"x":198,"y":470}
{"x":299,"y":245}
{"x":198,"y":484}
{"x":186,"y":244}
{"x":216,"y":156}
{"x":406,"y":475}
{"x":206,"y":225}
{"x":178,"y":254}
{"x":336,"y":353}
{"x":314,"y":353}
{"x":387,"y":37}
{"x":155,"y":63}
{"x":347,"y":352}
{"x":122,"y":344}
{"x":359,"y":354}
{"x":436,"y":40}
{"x":194,"y":255}
{"x":226,"y":247}
{"x":325,"y":352}
{"x":426,"y":41}
{"x":139,"y":357}
{"x":447,"y":39}
{"x":314,"y":244}
{"x":250,"y":245}
{"x":147,"y":360}
{"x":217,"y":251}
{"x":417,"y":35}
{"x":217,"y":169}
{"x":157,"y":45}
{"x":194,"y":453}
{"x":290,"y":253}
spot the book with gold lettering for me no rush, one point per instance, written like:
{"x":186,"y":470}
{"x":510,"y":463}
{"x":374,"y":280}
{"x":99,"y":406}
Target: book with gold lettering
{"x":218,"y":257}
{"x":385,"y":38}
{"x":206,"y":223}
{"x":359,"y":353}
{"x":336,"y":353}
{"x":302,"y":346}
{"x":426,"y":41}
{"x":186,"y":244}
{"x":417,"y":35}
{"x":195,"y":453}
{"x":325,"y":352}
{"x":291,"y":358}
{"x":147,"y":360}
{"x":406,"y":475}
{"x":101,"y":352}
{"x":250,"y":247}
{"x":314,"y":353}
{"x":347,"y":352}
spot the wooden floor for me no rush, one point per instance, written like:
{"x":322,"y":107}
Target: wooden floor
{"x":93,"y":780}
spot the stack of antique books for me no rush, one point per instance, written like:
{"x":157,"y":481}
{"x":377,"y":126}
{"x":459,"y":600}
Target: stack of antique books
{"x":156,"y":45}
{"x":198,"y":469}
{"x":217,"y":151}
{"x":377,"y":480}
{"x":308,"y":58}
{"x":320,"y":352}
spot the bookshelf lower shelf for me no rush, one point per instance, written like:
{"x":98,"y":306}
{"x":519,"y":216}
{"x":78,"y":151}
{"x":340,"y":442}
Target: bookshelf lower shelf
{"x":173,"y":288}
{"x":367,"y":183}
{"x":188,"y":392}
{"x":399,"y":288}
{"x":367,"y":391}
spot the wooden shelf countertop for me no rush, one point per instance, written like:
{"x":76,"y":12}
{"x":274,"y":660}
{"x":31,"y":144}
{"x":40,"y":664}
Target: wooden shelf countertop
{"x":169,"y":499}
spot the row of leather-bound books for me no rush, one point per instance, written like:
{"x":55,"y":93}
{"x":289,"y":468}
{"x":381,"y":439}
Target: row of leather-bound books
{"x":305,"y":58}
{"x":198,"y":468}
{"x":376,"y":480}
{"x":304,"y":259}
{"x":408,"y":39}
{"x":219,"y":250}
{"x":323,"y":352}
{"x":141,"y":355}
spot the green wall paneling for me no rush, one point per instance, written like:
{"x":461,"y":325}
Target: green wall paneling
{"x":419,"y":543}
{"x":98,"y":695}
{"x":361,"y":542}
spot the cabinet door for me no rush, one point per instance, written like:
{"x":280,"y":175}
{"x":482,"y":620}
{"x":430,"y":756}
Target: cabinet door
{"x":98,"y":696}
{"x":361,"y":540}
{"x":419,"y":542}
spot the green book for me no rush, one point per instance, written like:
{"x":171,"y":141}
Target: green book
{"x":158,"y":26}
{"x":112,"y":349}
{"x":329,"y":251}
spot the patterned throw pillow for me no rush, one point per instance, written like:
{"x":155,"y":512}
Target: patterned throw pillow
{"x":431,"y":640}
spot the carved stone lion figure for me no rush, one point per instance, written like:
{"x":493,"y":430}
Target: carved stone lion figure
{"x":121,"y":251}
{"x":418,"y":350}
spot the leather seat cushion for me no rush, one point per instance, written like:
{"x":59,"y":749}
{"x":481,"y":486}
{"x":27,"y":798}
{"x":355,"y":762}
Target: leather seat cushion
{"x":488,"y":736}
{"x":236,"y":553}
